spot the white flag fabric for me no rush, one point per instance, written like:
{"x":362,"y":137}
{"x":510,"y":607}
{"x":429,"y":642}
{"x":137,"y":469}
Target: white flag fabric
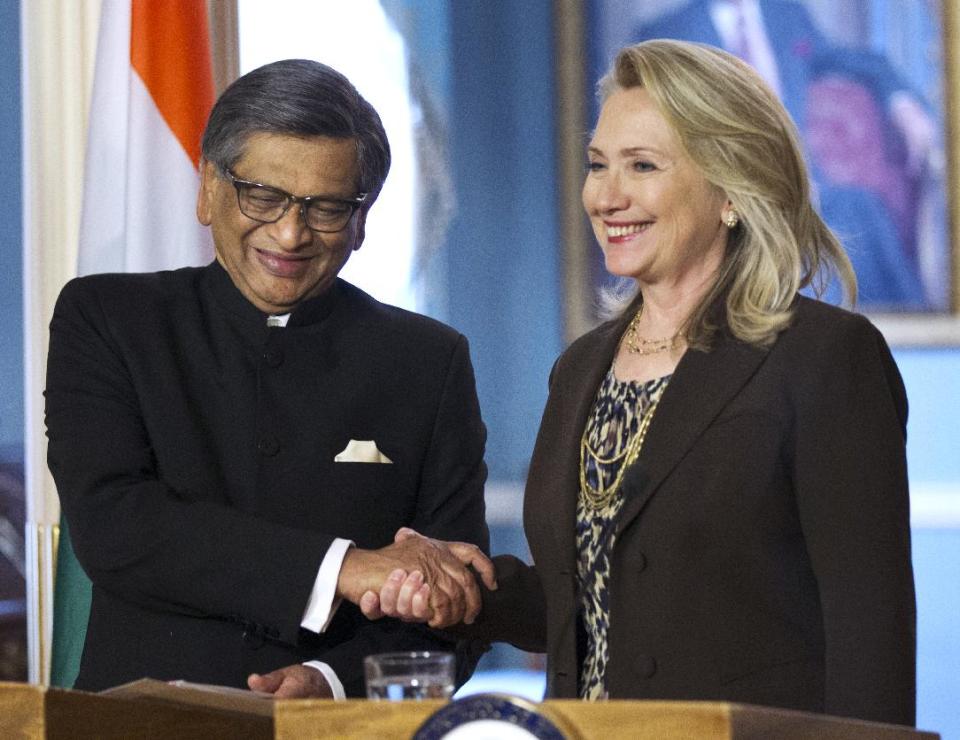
{"x":152,"y":92}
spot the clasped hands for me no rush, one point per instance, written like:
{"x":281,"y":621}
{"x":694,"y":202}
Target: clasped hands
{"x":417,"y":579}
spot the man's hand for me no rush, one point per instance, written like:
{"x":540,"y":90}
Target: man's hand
{"x":292,"y":682}
{"x":408,"y":596}
{"x":453,"y":595}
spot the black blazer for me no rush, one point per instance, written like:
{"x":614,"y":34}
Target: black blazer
{"x":763,"y":551}
{"x":193,"y":451}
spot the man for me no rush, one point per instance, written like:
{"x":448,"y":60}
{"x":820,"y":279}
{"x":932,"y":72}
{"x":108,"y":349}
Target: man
{"x":230,"y":443}
{"x":781,"y":41}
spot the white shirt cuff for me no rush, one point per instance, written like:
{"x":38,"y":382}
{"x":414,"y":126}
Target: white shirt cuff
{"x":322,"y":604}
{"x":335,"y":686}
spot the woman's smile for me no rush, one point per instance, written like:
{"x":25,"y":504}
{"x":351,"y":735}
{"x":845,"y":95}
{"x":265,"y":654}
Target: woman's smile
{"x":624,"y":232}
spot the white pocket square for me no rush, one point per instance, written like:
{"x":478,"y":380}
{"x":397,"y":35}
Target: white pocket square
{"x":362,"y":451}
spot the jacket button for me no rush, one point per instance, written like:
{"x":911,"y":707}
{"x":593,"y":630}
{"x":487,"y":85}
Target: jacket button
{"x":273,"y":357}
{"x":268,"y":446}
{"x":253,"y":638}
{"x":646,"y":666}
{"x":641,"y":562}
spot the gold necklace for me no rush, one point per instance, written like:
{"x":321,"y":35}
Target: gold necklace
{"x":637,"y":345}
{"x":595,"y":498}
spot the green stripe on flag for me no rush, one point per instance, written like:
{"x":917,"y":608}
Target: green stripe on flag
{"x":71,"y":610}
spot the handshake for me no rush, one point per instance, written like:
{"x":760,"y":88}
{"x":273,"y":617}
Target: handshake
{"x":417,"y":579}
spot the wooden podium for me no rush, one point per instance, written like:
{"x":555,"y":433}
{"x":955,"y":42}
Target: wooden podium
{"x":29,"y":712}
{"x":34,"y":712}
{"x":611,"y":720}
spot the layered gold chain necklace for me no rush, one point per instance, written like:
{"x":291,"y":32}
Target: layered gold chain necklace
{"x":600,"y":497}
{"x":638,"y":345}
{"x":596,"y":498}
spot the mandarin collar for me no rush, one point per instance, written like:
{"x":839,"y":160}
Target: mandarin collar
{"x":308,"y":312}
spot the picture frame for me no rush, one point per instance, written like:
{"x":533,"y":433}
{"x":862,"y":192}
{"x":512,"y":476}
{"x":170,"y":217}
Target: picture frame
{"x":873,"y":86}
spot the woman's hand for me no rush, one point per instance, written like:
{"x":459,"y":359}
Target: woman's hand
{"x":409,"y":597}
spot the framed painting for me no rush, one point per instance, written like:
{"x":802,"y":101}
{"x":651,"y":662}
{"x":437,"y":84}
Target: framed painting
{"x":872,"y":87}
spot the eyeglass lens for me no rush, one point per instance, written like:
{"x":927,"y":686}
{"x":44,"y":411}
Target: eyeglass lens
{"x":267,"y":204}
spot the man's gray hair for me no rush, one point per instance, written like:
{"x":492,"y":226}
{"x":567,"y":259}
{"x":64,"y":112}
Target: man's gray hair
{"x":297,"y":97}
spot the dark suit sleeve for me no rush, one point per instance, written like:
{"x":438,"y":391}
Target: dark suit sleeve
{"x":450,"y":507}
{"x":850,"y":478}
{"x":516,"y":612}
{"x":450,"y":503}
{"x":134,"y":535}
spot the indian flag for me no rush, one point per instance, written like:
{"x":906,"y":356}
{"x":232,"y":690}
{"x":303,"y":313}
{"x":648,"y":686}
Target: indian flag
{"x":152,"y":91}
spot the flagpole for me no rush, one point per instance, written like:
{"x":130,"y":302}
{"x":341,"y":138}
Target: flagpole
{"x":224,"y":42}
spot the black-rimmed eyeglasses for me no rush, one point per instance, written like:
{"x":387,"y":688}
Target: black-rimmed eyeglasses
{"x":267,"y":205}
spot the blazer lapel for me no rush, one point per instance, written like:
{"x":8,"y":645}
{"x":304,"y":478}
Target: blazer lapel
{"x":578,"y":393}
{"x":701,"y":386}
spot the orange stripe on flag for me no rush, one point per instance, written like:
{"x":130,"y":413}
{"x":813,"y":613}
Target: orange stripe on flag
{"x":170,"y":51}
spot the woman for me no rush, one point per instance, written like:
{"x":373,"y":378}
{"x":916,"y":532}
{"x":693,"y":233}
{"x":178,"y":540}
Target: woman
{"x":717,"y":502}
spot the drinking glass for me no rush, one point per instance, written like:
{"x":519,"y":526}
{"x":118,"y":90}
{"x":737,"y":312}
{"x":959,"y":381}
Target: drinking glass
{"x":413,"y":675}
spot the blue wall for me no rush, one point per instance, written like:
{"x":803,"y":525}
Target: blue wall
{"x":11,"y":229}
{"x":936,"y":566}
{"x":13,"y":653}
{"x":503,"y":269}
{"x":932,"y":377}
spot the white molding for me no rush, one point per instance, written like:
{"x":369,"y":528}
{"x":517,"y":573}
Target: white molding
{"x":504,"y":502}
{"x":919,"y":330}
{"x":935,"y":506}
{"x":932,"y":505}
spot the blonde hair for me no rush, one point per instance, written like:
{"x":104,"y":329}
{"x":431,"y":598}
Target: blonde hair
{"x":744,"y":143}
